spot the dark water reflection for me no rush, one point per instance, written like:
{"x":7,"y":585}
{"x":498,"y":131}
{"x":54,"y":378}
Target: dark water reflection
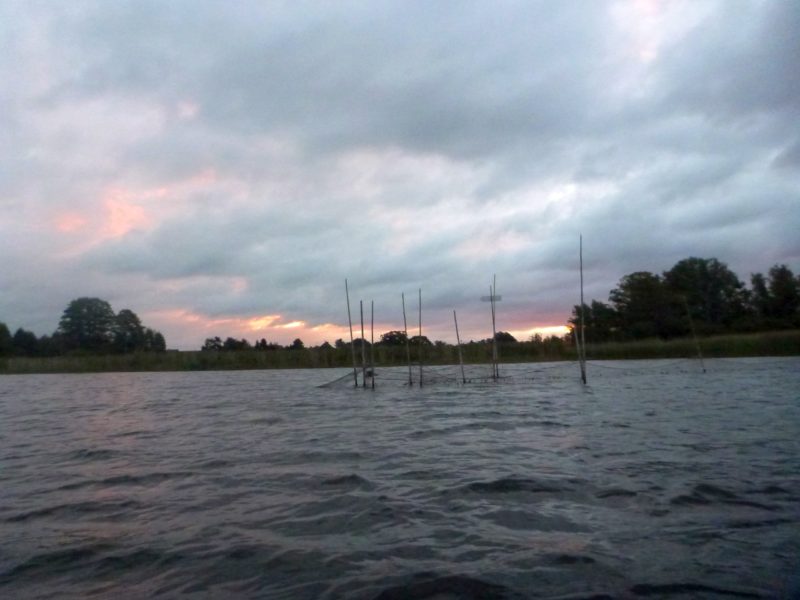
{"x":655,"y":481}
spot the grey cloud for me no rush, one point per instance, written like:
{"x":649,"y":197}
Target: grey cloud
{"x":467,"y":80}
{"x":741,"y":63}
{"x":324,"y":124}
{"x":789,"y":157}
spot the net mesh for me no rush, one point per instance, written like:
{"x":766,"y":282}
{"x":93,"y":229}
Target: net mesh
{"x":527,"y":372}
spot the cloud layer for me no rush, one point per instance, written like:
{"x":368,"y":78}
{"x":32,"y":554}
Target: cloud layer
{"x":220,"y":169}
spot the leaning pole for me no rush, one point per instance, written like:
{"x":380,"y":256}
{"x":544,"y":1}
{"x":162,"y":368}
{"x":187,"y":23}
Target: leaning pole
{"x":582,"y":347}
{"x":352,"y":346}
{"x":408,"y":343}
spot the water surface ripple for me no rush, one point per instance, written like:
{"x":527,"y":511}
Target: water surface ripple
{"x":655,"y":481}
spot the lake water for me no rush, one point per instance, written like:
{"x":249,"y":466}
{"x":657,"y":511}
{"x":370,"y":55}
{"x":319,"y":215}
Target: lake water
{"x":656,"y":480}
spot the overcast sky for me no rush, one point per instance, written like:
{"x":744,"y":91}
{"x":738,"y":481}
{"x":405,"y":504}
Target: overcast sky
{"x":220,"y":168}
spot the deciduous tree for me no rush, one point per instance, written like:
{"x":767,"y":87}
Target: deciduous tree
{"x":784,"y":295}
{"x":713,"y":293}
{"x":6,"y":342}
{"x":645,"y":307}
{"x":393,"y":338}
{"x":87,"y":324}
{"x":128,"y":331}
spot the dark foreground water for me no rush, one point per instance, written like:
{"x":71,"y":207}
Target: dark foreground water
{"x":655,"y":481}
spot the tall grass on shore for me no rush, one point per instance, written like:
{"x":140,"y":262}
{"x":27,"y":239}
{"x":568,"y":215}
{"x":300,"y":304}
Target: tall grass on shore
{"x":778,"y":343}
{"x":774,"y":343}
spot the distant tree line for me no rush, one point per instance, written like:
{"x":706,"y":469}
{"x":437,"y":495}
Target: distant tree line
{"x":699,"y":293}
{"x":216,"y":344}
{"x":90,"y":326}
{"x":390,"y":349}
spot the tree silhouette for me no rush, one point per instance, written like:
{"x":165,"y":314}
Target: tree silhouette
{"x":87,"y":324}
{"x":129,"y":334}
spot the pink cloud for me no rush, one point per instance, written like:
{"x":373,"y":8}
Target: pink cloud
{"x":70,"y":223}
{"x":122,"y":217}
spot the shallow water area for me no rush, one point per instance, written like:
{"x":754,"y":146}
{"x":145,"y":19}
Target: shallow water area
{"x":656,"y":480}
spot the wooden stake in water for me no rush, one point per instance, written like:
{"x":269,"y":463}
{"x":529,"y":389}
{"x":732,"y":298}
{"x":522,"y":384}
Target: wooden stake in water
{"x":372,"y":342}
{"x":492,"y":298}
{"x":460,"y":357}
{"x":408,"y":342}
{"x":582,"y":348}
{"x":577,"y":341}
{"x":363,"y":348}
{"x":352,"y":346}
{"x":494,"y":329}
{"x":420,"y":337}
{"x":694,"y":335}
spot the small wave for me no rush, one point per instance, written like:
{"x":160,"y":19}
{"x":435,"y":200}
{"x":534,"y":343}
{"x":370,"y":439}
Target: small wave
{"x":419,"y":474}
{"x":750,"y":524}
{"x":115,"y":563}
{"x":462,"y":427}
{"x":571,"y":559}
{"x":241,"y":552}
{"x":485,"y":413}
{"x":714,"y":491}
{"x":689,"y":500}
{"x":531,"y":520}
{"x":328,"y":457}
{"x":266,"y":420}
{"x":585,"y":597}
{"x":548,"y":423}
{"x":145,"y":479}
{"x":644,"y":589}
{"x":214,"y":464}
{"x":78,"y":508}
{"x":351,"y":480}
{"x":53,"y":563}
{"x":705,"y":494}
{"x":615,"y":493}
{"x":138,"y":433}
{"x":506,"y":485}
{"x":124,"y":480}
{"x":93,"y":454}
{"x":459,"y":586}
{"x":772,"y":490}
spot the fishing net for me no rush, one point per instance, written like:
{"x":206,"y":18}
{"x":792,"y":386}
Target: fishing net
{"x":517,"y":373}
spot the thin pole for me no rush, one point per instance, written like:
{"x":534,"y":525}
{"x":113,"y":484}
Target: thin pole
{"x":577,"y":341}
{"x":694,"y":335}
{"x":352,"y":346}
{"x":460,"y":358}
{"x":494,"y":334}
{"x":372,"y":342}
{"x":420,"y":337}
{"x":363,"y":348}
{"x":494,"y":328}
{"x":582,"y":348}
{"x":408,"y":342}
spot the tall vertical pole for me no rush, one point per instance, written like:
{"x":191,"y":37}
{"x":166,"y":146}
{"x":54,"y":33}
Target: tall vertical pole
{"x":372,"y":342}
{"x":494,"y":333}
{"x":582,"y":349}
{"x":363,"y":348}
{"x":460,"y":357}
{"x":494,"y":328}
{"x":408,"y":342}
{"x":420,"y":337}
{"x":492,"y":298}
{"x":577,"y":341}
{"x":694,"y":335}
{"x":352,"y":346}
